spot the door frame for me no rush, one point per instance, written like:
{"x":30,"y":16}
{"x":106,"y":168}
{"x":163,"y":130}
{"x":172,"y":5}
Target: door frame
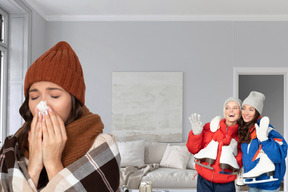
{"x":267,"y":71}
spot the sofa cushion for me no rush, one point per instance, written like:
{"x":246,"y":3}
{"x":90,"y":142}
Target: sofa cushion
{"x":172,"y":178}
{"x":154,"y":151}
{"x":132,"y":153}
{"x":175,"y":156}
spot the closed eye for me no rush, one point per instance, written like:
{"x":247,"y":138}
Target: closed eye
{"x":34,"y":98}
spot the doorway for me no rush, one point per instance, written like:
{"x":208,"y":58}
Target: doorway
{"x":272,"y":82}
{"x":272,"y":86}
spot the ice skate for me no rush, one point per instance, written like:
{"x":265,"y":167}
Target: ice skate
{"x":264,"y":166}
{"x":208,"y":154}
{"x":240,"y":179}
{"x":227,"y":158}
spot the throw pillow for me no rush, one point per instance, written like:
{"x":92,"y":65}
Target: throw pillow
{"x":132,"y":153}
{"x":154,"y":151}
{"x":191,"y":163}
{"x":175,"y":156}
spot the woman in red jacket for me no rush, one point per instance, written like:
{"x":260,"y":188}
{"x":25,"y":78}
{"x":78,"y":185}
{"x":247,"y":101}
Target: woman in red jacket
{"x":216,"y":149}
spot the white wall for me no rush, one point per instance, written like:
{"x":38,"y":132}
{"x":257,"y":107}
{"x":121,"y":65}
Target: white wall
{"x":205,"y":51}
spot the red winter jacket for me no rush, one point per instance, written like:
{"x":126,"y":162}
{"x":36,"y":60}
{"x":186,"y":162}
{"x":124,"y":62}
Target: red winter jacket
{"x":197,"y":142}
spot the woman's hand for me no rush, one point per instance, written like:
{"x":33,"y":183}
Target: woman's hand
{"x":35,"y":164}
{"x":196,"y":124}
{"x":262,"y":130}
{"x":54,"y":139}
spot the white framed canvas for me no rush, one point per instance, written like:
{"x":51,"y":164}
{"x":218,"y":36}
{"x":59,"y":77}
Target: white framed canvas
{"x":147,"y":106}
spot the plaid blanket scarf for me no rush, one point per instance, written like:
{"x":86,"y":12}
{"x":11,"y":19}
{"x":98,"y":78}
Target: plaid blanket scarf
{"x":98,"y":170}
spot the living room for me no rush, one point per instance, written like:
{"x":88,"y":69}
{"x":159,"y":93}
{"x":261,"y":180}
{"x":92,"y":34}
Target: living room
{"x":211,"y":50}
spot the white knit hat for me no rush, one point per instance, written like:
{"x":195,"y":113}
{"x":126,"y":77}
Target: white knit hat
{"x":256,"y":100}
{"x":238,"y":101}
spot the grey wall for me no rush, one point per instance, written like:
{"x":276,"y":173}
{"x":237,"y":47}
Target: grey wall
{"x":205,"y":51}
{"x":38,"y":34}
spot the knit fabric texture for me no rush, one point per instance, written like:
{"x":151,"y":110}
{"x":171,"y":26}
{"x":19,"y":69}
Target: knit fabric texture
{"x":59,"y":65}
{"x":81,"y":134}
{"x":256,"y":100}
{"x":238,"y":101}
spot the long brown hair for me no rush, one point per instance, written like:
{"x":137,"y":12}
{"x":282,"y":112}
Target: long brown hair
{"x":244,"y":130}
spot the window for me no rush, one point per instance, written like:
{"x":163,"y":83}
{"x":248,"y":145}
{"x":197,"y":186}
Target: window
{"x":1,"y":29}
{"x":3,"y":71}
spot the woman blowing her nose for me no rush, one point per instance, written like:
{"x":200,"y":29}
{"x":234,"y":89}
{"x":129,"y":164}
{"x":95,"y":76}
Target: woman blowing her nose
{"x":58,"y":142}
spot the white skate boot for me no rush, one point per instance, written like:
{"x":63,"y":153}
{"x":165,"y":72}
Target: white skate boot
{"x":240,"y":179}
{"x":208,"y":154}
{"x":227,"y":158}
{"x":265,"y":165}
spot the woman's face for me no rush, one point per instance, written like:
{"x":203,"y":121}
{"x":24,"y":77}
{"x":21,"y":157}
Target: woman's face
{"x":248,"y":113}
{"x":232,"y":112}
{"x":56,"y":97}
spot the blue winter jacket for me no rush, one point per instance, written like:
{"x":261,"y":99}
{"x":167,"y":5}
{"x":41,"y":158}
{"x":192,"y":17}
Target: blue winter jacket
{"x":275,"y":148}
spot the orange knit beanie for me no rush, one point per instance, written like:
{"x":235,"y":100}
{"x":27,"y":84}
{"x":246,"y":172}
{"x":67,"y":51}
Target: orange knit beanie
{"x":59,"y":65}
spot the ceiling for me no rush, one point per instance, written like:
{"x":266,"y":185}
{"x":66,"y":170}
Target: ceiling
{"x":54,"y":10}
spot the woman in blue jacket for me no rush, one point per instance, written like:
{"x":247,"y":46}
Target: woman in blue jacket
{"x":263,"y":149}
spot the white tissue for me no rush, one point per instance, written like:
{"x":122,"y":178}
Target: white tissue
{"x":42,"y":106}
